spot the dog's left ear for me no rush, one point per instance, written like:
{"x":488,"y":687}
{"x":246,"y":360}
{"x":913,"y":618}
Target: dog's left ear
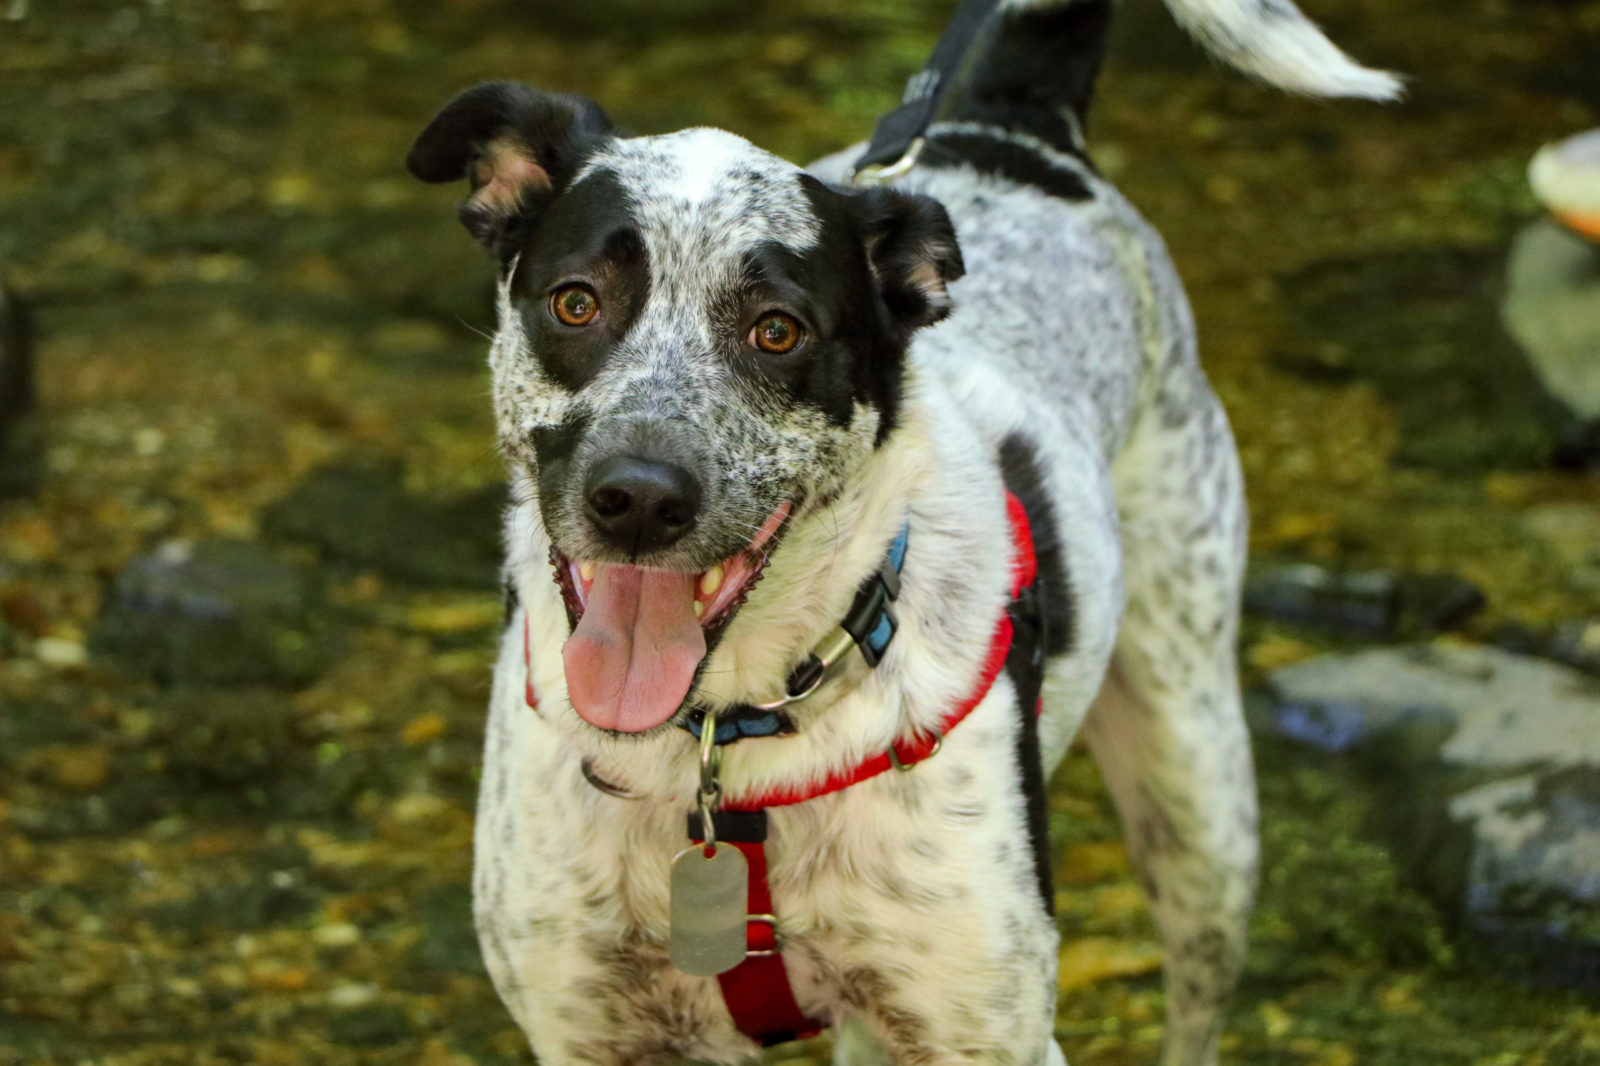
{"x":912,"y":249}
{"x":517,"y":146}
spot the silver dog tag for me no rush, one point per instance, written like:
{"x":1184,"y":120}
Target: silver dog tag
{"x":709,"y":901}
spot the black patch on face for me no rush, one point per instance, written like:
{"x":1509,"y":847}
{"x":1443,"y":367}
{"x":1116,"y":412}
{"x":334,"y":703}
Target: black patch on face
{"x":1005,"y":159}
{"x":855,"y":293}
{"x":1034,"y":63}
{"x":554,"y":448}
{"x":587,"y":236}
{"x":851,"y":352}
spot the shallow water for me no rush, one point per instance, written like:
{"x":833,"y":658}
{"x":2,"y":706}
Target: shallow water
{"x":264,"y":858}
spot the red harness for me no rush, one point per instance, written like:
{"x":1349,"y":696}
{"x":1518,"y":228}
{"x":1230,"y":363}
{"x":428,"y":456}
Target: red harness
{"x":757,"y":991}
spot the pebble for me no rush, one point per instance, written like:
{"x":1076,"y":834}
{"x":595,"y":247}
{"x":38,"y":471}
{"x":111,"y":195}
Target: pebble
{"x":56,"y":651}
{"x":78,"y":768}
{"x":352,"y":995}
{"x":336,"y":935}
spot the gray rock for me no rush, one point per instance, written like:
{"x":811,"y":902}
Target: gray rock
{"x":219,"y":611}
{"x":359,"y":512}
{"x":1552,"y":308}
{"x":1487,"y":765}
{"x":1365,"y":603}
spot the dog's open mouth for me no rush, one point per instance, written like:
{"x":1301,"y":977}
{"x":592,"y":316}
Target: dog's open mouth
{"x":640,"y":634}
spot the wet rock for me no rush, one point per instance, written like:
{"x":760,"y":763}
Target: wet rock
{"x":359,"y":512}
{"x":272,"y":895}
{"x":19,"y":425}
{"x":1376,"y":604}
{"x":215,"y":611}
{"x":370,"y":1025}
{"x":1421,"y":326}
{"x":1487,"y":768}
{"x":1552,"y":308}
{"x":229,"y":738}
{"x":1534,"y":872}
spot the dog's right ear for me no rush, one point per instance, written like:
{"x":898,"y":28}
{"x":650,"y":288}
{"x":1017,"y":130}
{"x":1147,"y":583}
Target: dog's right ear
{"x":517,"y":146}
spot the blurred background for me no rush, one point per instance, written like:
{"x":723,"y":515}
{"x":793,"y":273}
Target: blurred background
{"x":249,"y":497}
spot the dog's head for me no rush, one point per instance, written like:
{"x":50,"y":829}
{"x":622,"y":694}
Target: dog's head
{"x":697,"y":342}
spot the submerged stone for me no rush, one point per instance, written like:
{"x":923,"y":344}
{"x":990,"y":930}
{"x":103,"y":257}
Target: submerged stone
{"x":1369,"y":603}
{"x":1552,"y":308}
{"x":359,"y":512}
{"x":213,"y":612}
{"x":1421,"y":326}
{"x":1487,"y":766}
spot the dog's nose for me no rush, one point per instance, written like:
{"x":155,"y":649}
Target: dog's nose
{"x":640,"y":505}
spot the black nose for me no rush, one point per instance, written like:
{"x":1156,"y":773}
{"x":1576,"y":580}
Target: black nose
{"x":640,"y":505}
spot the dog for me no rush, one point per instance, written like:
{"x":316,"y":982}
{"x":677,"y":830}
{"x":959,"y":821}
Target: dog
{"x":840,"y":509}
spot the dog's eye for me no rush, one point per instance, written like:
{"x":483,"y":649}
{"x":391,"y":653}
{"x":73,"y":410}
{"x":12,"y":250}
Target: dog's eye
{"x":574,"y":305}
{"x":776,"y":333}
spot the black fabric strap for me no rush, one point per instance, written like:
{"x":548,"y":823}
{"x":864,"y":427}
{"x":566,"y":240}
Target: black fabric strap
{"x":898,"y":130}
{"x":735,"y":827}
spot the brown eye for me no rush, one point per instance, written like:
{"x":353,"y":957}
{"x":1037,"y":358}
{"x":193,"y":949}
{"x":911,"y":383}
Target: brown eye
{"x":574,"y":305}
{"x":776,"y":333}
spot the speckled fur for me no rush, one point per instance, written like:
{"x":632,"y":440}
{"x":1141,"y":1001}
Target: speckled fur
{"x":908,"y":904}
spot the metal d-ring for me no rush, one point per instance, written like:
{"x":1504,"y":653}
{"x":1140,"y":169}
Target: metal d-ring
{"x":876,"y":175}
{"x":829,"y":656}
{"x":906,"y":767}
{"x":771,"y":921}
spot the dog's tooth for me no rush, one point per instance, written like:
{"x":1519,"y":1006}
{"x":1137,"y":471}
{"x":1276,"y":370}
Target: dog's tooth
{"x":712,"y":581}
{"x":699,"y":608}
{"x":586,"y":570}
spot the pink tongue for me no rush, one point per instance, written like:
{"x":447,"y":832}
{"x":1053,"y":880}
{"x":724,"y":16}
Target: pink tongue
{"x":632,"y":658}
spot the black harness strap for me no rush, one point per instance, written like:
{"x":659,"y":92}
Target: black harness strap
{"x":900,"y":129}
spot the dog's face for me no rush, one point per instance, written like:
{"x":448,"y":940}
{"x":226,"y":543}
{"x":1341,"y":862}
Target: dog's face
{"x":698,"y":341}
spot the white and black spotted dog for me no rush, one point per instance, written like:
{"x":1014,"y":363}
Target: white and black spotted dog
{"x":954,"y":425}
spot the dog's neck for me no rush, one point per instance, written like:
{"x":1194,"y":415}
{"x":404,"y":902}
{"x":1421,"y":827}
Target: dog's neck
{"x":814,"y":577}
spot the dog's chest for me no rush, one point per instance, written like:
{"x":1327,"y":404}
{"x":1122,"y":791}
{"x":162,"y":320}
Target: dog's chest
{"x":866,"y":884}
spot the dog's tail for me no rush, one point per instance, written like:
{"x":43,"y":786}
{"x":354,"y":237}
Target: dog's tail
{"x":1038,"y":54}
{"x":1272,"y":40}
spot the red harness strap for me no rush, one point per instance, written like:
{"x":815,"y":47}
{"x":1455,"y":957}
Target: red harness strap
{"x":757,"y":991}
{"x":912,"y":750}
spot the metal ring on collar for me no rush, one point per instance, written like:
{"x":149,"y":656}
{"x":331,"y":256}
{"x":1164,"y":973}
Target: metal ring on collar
{"x":903,"y":767}
{"x":829,"y":656}
{"x":710,"y":759}
{"x":878,"y":174}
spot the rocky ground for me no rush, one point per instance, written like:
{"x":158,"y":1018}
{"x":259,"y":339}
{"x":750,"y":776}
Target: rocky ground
{"x":247,"y":531}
